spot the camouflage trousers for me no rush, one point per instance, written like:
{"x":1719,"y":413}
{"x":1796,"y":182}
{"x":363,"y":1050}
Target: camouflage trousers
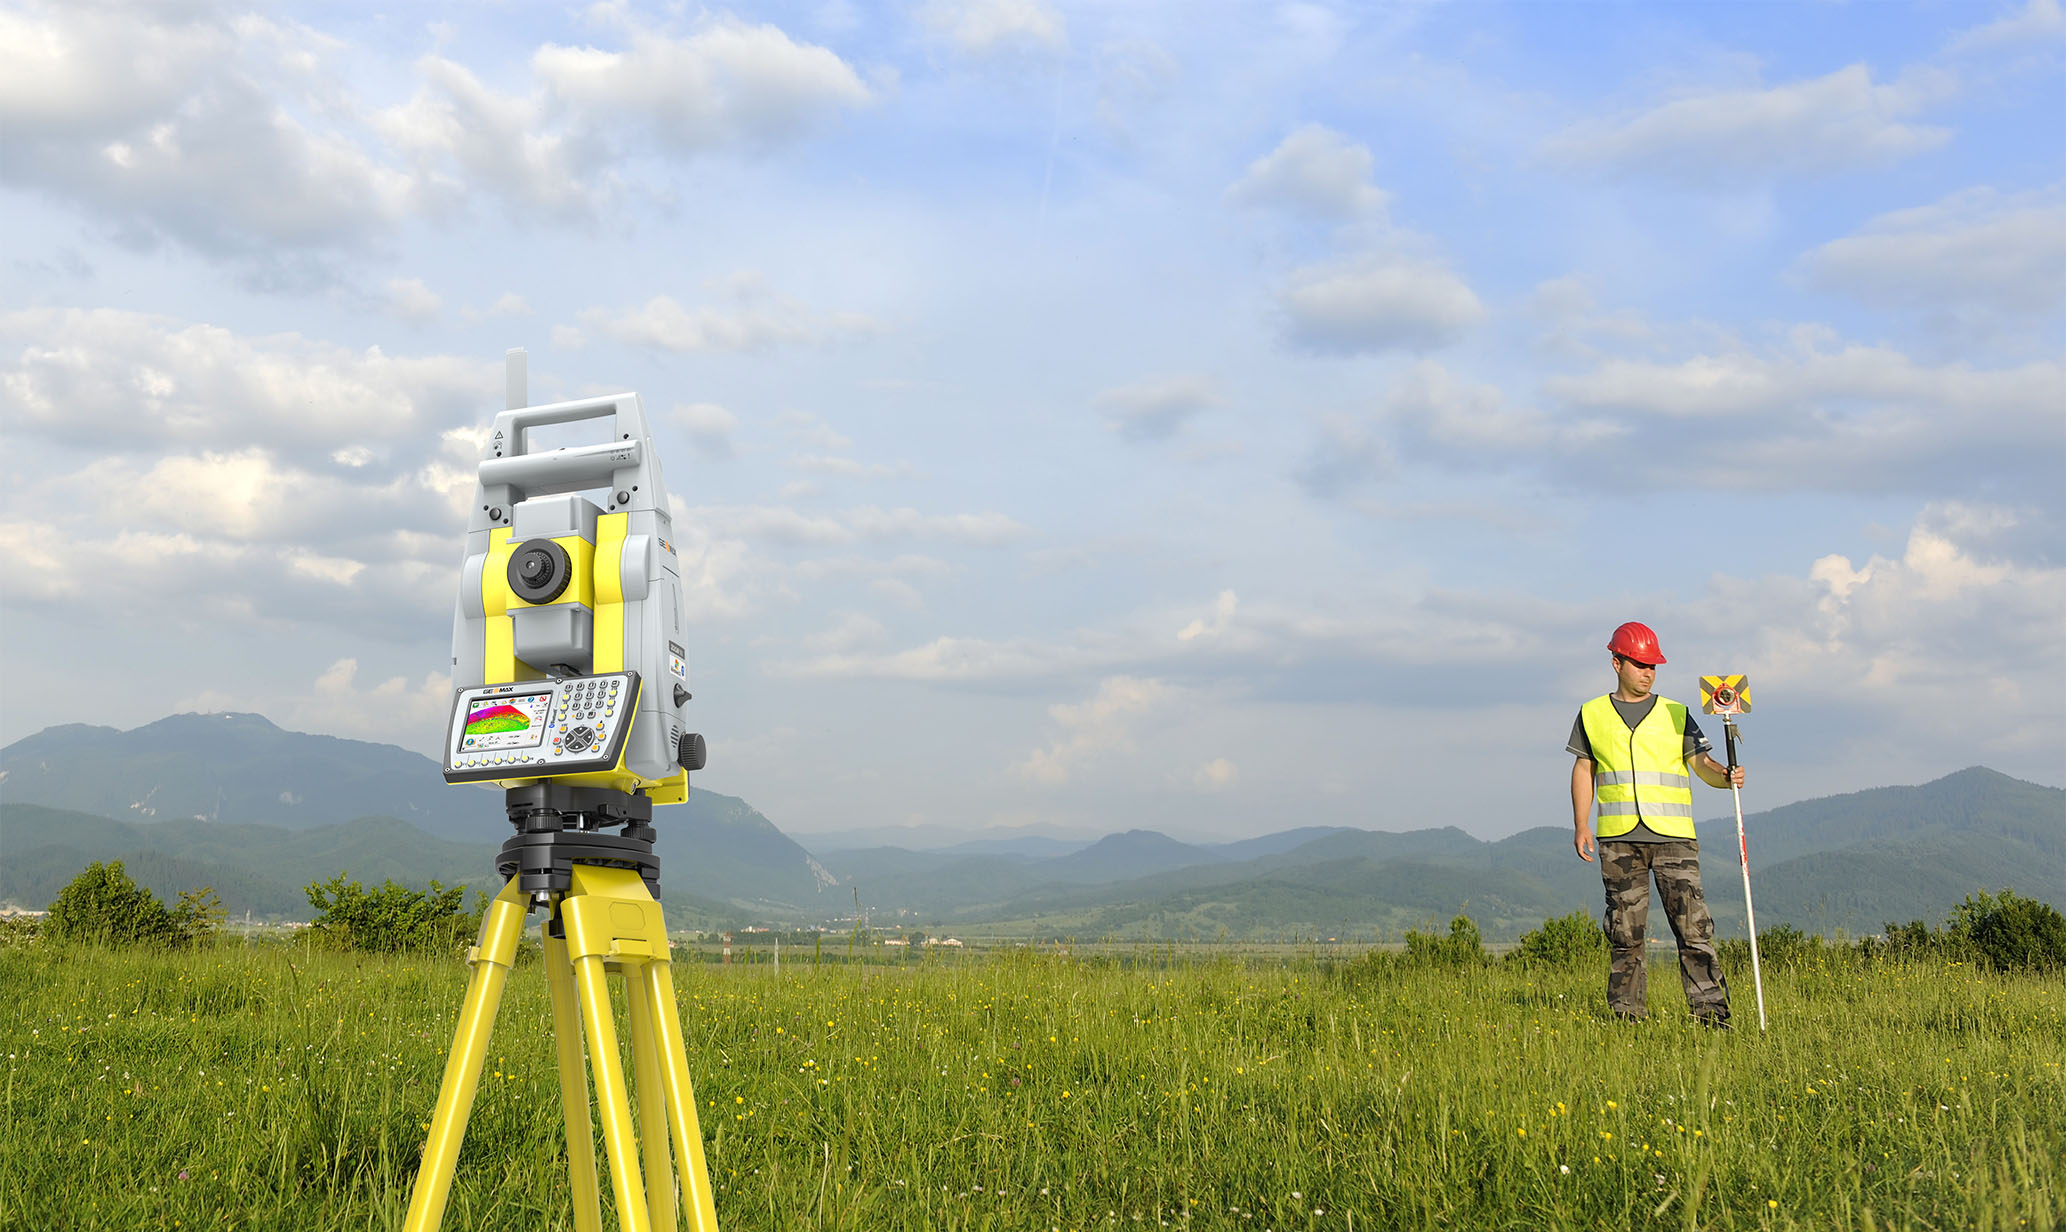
{"x":1626,"y":869}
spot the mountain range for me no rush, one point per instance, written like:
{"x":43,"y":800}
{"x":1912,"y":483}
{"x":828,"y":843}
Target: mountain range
{"x":234,"y":802}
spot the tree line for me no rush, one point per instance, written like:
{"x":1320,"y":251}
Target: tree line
{"x":104,"y":906}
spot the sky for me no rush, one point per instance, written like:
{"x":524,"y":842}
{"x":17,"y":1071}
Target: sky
{"x":1206,"y":417}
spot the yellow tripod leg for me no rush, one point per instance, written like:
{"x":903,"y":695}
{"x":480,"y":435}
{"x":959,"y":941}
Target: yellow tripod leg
{"x":618,"y":1141}
{"x":608,"y":916}
{"x":566,"y":1035}
{"x":501,"y":927}
{"x":652,"y":1103}
{"x":681,"y":1100}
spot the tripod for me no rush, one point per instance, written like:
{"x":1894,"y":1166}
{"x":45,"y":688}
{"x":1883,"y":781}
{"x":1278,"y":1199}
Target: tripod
{"x":602,"y":920}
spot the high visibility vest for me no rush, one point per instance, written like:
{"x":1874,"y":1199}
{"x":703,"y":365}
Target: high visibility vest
{"x":1640,"y":774}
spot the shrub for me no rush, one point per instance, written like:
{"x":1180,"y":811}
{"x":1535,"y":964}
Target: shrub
{"x":1783,"y":945}
{"x":103,"y":905}
{"x":2011,"y":932}
{"x":1574,"y":940}
{"x":392,"y":917}
{"x":1461,"y":948}
{"x":19,"y":931}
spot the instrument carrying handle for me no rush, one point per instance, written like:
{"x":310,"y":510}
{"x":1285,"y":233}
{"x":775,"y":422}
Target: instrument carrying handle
{"x":623,"y":464}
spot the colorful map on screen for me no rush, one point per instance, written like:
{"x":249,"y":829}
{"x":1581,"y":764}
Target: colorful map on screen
{"x":500,"y":717}
{"x":517,"y":721}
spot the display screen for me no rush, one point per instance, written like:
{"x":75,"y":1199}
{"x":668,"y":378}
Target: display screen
{"x":515,"y":722}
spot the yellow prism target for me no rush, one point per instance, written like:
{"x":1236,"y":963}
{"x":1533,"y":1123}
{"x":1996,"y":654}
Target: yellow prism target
{"x":1725,"y":695}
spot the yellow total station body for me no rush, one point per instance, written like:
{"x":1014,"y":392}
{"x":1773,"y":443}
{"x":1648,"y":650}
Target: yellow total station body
{"x":570,"y":572}
{"x":595,"y":588}
{"x":569,"y":686}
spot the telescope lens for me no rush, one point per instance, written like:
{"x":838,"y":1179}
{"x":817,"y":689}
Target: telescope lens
{"x":539,"y":571}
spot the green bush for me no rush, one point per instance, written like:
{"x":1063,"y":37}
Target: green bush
{"x":1461,"y":948}
{"x":392,"y":917}
{"x":104,"y":906}
{"x":2011,"y":932}
{"x":19,"y":931}
{"x":1574,"y":940}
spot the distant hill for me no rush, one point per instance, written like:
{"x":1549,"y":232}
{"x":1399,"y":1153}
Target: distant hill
{"x":263,"y":870}
{"x":1851,"y":862}
{"x":258,"y":812}
{"x":234,"y":770}
{"x":1124,"y":857}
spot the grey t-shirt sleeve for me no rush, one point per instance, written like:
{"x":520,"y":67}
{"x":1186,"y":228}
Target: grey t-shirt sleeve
{"x":1696,"y":742}
{"x":1580,"y":744}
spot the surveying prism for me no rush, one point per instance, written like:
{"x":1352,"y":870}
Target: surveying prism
{"x":1729,"y":696}
{"x":570,"y":685}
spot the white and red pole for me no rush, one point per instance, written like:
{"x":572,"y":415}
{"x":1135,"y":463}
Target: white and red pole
{"x":1750,"y":917}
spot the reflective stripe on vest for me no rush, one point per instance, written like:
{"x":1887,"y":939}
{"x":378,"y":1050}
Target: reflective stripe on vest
{"x":1640,"y":774}
{"x":1643,"y":778}
{"x":1647,"y":809}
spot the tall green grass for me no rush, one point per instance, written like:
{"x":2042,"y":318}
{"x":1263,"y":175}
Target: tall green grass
{"x":267,"y":1086}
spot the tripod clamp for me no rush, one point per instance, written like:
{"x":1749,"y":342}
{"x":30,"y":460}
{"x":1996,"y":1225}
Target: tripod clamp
{"x":560,"y":825}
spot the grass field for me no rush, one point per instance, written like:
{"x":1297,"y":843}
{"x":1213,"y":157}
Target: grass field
{"x":268,"y":1086}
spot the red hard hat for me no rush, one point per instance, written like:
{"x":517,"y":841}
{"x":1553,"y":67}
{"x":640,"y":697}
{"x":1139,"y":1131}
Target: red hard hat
{"x":1636,"y":641}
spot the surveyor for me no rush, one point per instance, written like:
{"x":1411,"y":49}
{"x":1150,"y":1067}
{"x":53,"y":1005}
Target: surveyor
{"x":1634,"y":749}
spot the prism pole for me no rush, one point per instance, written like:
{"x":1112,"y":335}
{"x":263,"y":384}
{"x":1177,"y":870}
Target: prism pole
{"x":1750,"y":917}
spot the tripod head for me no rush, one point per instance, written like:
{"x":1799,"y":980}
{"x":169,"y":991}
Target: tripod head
{"x":568,"y":664}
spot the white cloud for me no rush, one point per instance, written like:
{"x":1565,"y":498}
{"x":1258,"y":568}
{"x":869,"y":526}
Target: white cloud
{"x":1217,"y":774}
{"x":1315,"y":171}
{"x":1782,"y":381}
{"x":1965,"y":648}
{"x":191,"y":122}
{"x":729,"y":83}
{"x":240,"y":134}
{"x":129,"y":381}
{"x":508,"y":304}
{"x":390,"y":585}
{"x":808,"y":431}
{"x":990,"y":27}
{"x":1094,"y":729}
{"x":1433,"y":413}
{"x":1839,"y":122}
{"x":1223,"y":610}
{"x":1809,"y":414}
{"x":1375,"y":302}
{"x":394,"y":711}
{"x":2037,"y":23}
{"x":459,"y":132}
{"x":560,"y":148}
{"x":1430,"y":413}
{"x":1818,"y":414}
{"x":1977,"y":250}
{"x":1157,"y":409}
{"x":753,"y":319}
{"x":412,"y":300}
